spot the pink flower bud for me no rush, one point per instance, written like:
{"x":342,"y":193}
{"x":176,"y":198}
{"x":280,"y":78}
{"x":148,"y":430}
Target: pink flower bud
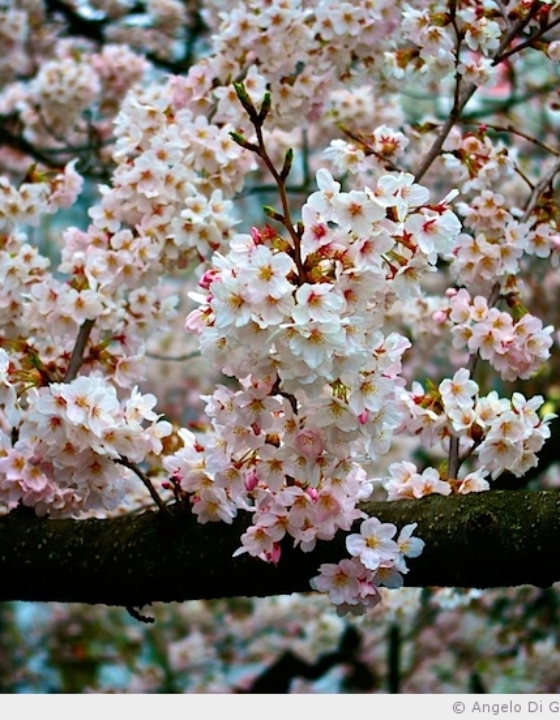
{"x":251,"y":480}
{"x":273,"y":556}
{"x":208,"y":278}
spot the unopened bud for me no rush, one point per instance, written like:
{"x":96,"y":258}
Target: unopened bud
{"x":241,"y":140}
{"x":288,"y":160}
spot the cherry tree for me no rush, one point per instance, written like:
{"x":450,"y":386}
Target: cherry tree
{"x":279,"y":287}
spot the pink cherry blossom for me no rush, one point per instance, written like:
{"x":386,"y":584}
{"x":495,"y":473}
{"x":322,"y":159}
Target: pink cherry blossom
{"x":374,"y":545}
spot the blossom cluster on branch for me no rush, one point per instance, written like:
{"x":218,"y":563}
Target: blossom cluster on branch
{"x":379,"y":213}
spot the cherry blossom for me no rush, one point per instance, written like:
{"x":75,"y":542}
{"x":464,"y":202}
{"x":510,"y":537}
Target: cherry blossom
{"x":373,"y":309}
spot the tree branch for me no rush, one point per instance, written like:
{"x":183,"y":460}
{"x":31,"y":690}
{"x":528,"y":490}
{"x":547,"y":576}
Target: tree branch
{"x":18,"y":142}
{"x":77,"y":24}
{"x":492,"y":539}
{"x":76,"y":359}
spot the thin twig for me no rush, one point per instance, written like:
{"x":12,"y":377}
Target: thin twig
{"x":306,"y":182}
{"x":302,"y":189}
{"x":515,"y":30}
{"x":495,"y":107}
{"x":461,"y":99}
{"x":454,"y":115}
{"x":281,"y":183}
{"x":527,"y":43}
{"x":514,"y":131}
{"x":78,"y":353}
{"x":539,"y":188}
{"x":146,"y":480}
{"x":524,"y":177}
{"x":176,"y":358}
{"x":503,"y":11}
{"x":367,"y":149}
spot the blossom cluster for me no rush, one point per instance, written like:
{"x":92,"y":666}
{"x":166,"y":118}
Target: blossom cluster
{"x":164,"y":146}
{"x":54,"y":105}
{"x":476,"y":162}
{"x":44,"y":192}
{"x":376,"y":560}
{"x":515,"y":349}
{"x":299,"y":321}
{"x":42,"y":313}
{"x":499,"y":242}
{"x":503,"y":434}
{"x":304,"y":49}
{"x":436,"y":42}
{"x":72,"y":440}
{"x":305,"y":321}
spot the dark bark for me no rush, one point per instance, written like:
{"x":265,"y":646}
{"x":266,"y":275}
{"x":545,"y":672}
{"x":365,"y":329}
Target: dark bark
{"x":74,"y":24}
{"x":492,"y":539}
{"x":11,"y":136}
{"x":278,"y":677}
{"x":77,"y":24}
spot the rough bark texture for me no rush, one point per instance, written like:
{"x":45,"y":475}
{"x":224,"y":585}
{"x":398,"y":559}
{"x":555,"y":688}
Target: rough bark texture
{"x":498,"y":538}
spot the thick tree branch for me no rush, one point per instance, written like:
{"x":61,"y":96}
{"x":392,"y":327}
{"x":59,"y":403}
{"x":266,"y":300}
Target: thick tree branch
{"x":498,"y":538}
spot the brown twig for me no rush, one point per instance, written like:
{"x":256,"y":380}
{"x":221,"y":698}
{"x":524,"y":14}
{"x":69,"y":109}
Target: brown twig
{"x":367,"y":149}
{"x":280,"y":178}
{"x":514,"y":131}
{"x":527,"y":43}
{"x":77,"y":357}
{"x":146,"y":480}
{"x":176,"y":358}
{"x":539,"y":188}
